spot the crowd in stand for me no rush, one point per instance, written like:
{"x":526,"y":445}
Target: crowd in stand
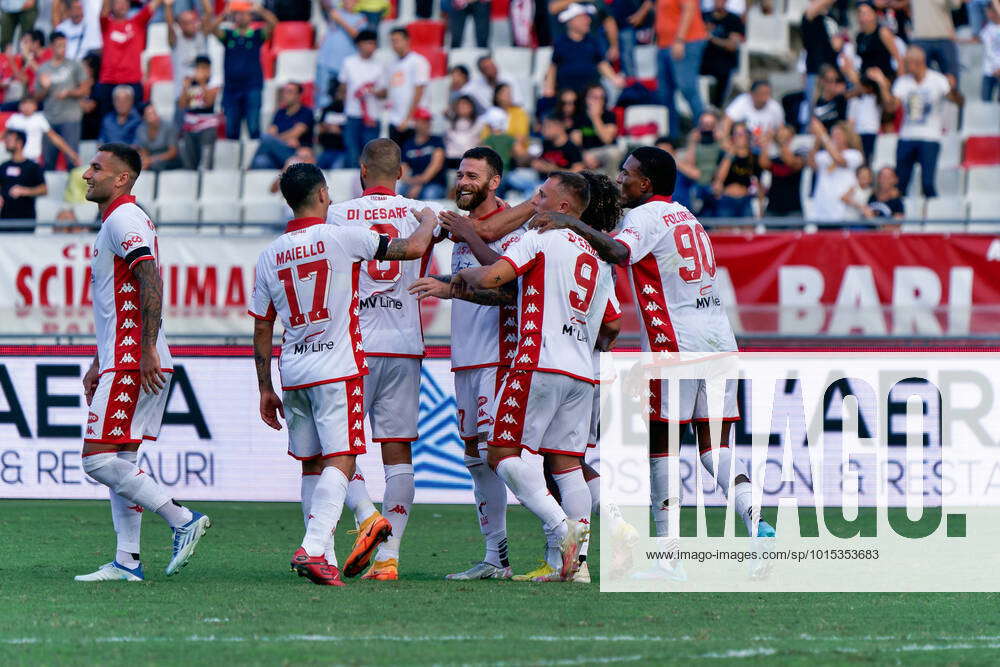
{"x":893,"y":71}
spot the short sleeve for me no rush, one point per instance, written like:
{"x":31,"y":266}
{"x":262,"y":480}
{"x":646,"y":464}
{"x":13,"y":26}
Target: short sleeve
{"x":735,"y":109}
{"x":899,"y":87}
{"x":523,"y":254}
{"x":613,"y":310}
{"x":823,"y":159}
{"x":421,"y":72}
{"x":854,"y":159}
{"x":640,"y":234}
{"x":261,"y":306}
{"x":360,"y":243}
{"x":37,"y":176}
{"x":130,"y":236}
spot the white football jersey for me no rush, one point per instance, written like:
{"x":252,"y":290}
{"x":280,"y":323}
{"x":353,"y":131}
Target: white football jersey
{"x":390,"y":316}
{"x":672,"y":269}
{"x":563,"y":299}
{"x":486,"y":335}
{"x":611,"y":313}
{"x":309,"y":278}
{"x":127,"y":237}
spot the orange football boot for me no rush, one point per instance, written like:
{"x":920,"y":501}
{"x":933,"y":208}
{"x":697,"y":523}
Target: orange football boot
{"x":374,"y":531}
{"x":384,"y":570}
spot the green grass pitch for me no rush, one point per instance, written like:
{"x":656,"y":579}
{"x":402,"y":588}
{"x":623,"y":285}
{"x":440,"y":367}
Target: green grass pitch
{"x":237,"y":603}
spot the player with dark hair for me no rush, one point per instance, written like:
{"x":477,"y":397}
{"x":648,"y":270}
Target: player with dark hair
{"x":394,"y":347}
{"x":309,"y":276}
{"x":127,"y":384}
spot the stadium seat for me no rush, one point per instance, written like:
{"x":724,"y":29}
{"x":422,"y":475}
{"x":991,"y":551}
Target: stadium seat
{"x":145,"y":188}
{"x":220,"y":184}
{"x":436,"y":96}
{"x":645,"y":61}
{"x":85,"y":211}
{"x":156,"y":39}
{"x":227,"y":154}
{"x":466,"y":56}
{"x":257,"y":182}
{"x":249,"y":149}
{"x":984,"y":180}
{"x":344,"y":184}
{"x":56,"y":182}
{"x":4,"y":117}
{"x":177,"y":183}
{"x":295,"y":65}
{"x":163,"y":98}
{"x":514,"y":62}
{"x":946,"y":208}
{"x":950,"y":181}
{"x":980,"y":118}
{"x":223,"y":210}
{"x":427,"y":33}
{"x":914,"y":207}
{"x":981,"y":151}
{"x":168,"y":212}
{"x":767,"y":34}
{"x":263,"y":210}
{"x":46,"y":208}
{"x":982,"y":207}
{"x":88,"y":149}
{"x":499,"y":9}
{"x":290,"y":35}
{"x":885,"y":150}
{"x":437,"y":58}
{"x":543,"y":58}
{"x":951,"y":153}
{"x":159,"y":68}
{"x":640,"y":119}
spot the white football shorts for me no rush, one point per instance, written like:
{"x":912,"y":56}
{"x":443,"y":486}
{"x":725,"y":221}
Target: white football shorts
{"x":121,"y":413}
{"x":543,"y":412}
{"x":326,"y":420}
{"x":475,"y":392}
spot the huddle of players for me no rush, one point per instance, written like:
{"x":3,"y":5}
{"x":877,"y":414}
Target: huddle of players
{"x":531,"y":309}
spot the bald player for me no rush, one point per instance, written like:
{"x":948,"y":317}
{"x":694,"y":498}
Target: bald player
{"x":126,"y":385}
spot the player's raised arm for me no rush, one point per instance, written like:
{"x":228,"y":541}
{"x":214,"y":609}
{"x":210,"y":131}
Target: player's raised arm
{"x":416,"y":244}
{"x":496,"y":226}
{"x":607,"y":247}
{"x":464,"y":229}
{"x":443,"y":287}
{"x":474,"y":278}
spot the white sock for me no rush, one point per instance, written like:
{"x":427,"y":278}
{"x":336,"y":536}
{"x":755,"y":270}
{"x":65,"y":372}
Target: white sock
{"x":743,"y":502}
{"x":742,"y":492}
{"x":575,"y":496}
{"x":528,"y":484}
{"x":595,"y":495}
{"x":491,"y":509}
{"x":357,"y":498}
{"x":131,"y":483}
{"x":666,"y":505}
{"x":552,"y":554}
{"x":309,"y":481}
{"x":327,"y":504}
{"x":127,"y":519}
{"x":724,"y":475}
{"x":397,"y":501}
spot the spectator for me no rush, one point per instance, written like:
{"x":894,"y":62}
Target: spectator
{"x":90,"y":124}
{"x":875,"y":44}
{"x":518,"y":123}
{"x":464,"y":129}
{"x":32,"y":122}
{"x":701,"y":158}
{"x":760,"y":112}
{"x":686,"y":173}
{"x":934,"y":32}
{"x":157,"y":142}
{"x":408,"y":79}
{"x":121,"y":125}
{"x":242,"y":78}
{"x":16,"y":14}
{"x":834,"y":158}
{"x":24,"y":68}
{"x":495,"y":136}
{"x":559,"y":153}
{"x":458,"y":84}
{"x":342,"y":27}
{"x":21,"y":181}
{"x":124,"y":40}
{"x":10,"y":87}
{"x":736,"y":177}
{"x":567,"y":108}
{"x":187,"y":38}
{"x":423,"y":159}
{"x":459,"y":11}
{"x":303,"y":155}
{"x":82,"y":29}
{"x":578,"y":59}
{"x":290,"y":10}
{"x":373,"y":10}
{"x":726,"y":32}
{"x":330,"y":136}
{"x":483,"y":86}
{"x":603,"y":27}
{"x":631,"y":16}
{"x":990,"y":37}
{"x":596,"y":132}
{"x":831,"y":104}
{"x":857,"y":197}
{"x":681,"y":37}
{"x":363,"y":81}
{"x":62,"y":83}
{"x":885,"y":202}
{"x":291,"y":128}
{"x":920,"y":93}
{"x":820,"y":47}
{"x":784,"y":195}
{"x":200,"y":121}
{"x":863,"y":110}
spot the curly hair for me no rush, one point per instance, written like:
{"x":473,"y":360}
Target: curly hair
{"x":605,"y":209}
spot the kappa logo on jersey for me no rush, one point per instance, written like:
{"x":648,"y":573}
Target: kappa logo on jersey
{"x":509,"y":355}
{"x":528,"y":342}
{"x":532,"y":308}
{"x":127,"y":288}
{"x":117,"y":430}
{"x":123,"y":398}
{"x":358,"y":347}
{"x":358,"y":442}
{"x":357,"y":477}
{"x":507,"y":419}
{"x":121,"y":414}
{"x":530,"y":326}
{"x":127,"y":379}
{"x":524,"y":359}
{"x":661,"y":338}
{"x":128,"y":340}
{"x":531,"y":291}
{"x":656,"y":322}
{"x":357,"y":391}
{"x":649,"y":289}
{"x":399,"y":509}
{"x":510,"y":322}
{"x":511,"y":402}
{"x":356,"y":408}
{"x":128,"y":305}
{"x":510,"y":338}
{"x":515,"y":385}
{"x":132,"y":241}
{"x":91,"y":418}
{"x":129,"y":323}
{"x":127,"y":358}
{"x":358,"y":424}
{"x":651,"y":306}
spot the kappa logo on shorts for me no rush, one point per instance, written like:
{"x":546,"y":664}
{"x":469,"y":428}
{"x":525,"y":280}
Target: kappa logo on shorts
{"x":358,"y":424}
{"x":91,"y":418}
{"x":128,"y":340}
{"x":661,"y":338}
{"x":510,"y":322}
{"x":516,"y":385}
{"x":530,"y":326}
{"x":127,"y":288}
{"x":524,"y":359}
{"x":531,"y":291}
{"x":90,"y":430}
{"x":127,"y":379}
{"x":507,"y":419}
{"x":656,"y":322}
{"x":528,"y":342}
{"x":123,"y":398}
{"x":511,"y":402}
{"x":127,"y":358}
{"x":117,"y":430}
{"x":358,"y":442}
{"x":128,"y":305}
{"x":357,"y":477}
{"x":121,"y":414}
{"x":505,"y":436}
{"x":511,"y":338}
{"x":356,"y":408}
{"x":399,"y":509}
{"x":356,"y":392}
{"x":129,"y":323}
{"x":532,"y":308}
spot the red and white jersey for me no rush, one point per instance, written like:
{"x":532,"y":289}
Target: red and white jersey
{"x":482,"y":336}
{"x":390,"y":316}
{"x":127,"y":237}
{"x":611,"y":313}
{"x":309,"y":278}
{"x":672,"y":270}
{"x":563,"y":299}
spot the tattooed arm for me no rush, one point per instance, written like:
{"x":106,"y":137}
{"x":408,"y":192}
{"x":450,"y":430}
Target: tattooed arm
{"x":270,"y":404}
{"x":610,"y":250}
{"x":415,"y":245}
{"x":485,"y":277}
{"x":151,"y":378}
{"x":443,"y":287}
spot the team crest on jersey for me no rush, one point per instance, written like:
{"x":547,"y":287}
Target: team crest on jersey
{"x":127,"y":288}
{"x":91,"y":418}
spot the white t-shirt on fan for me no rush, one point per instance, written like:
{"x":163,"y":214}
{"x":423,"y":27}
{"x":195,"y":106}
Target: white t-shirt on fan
{"x":923,"y":103}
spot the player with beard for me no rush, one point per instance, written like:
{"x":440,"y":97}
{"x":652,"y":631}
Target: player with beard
{"x":672,"y":270}
{"x":484,"y":336}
